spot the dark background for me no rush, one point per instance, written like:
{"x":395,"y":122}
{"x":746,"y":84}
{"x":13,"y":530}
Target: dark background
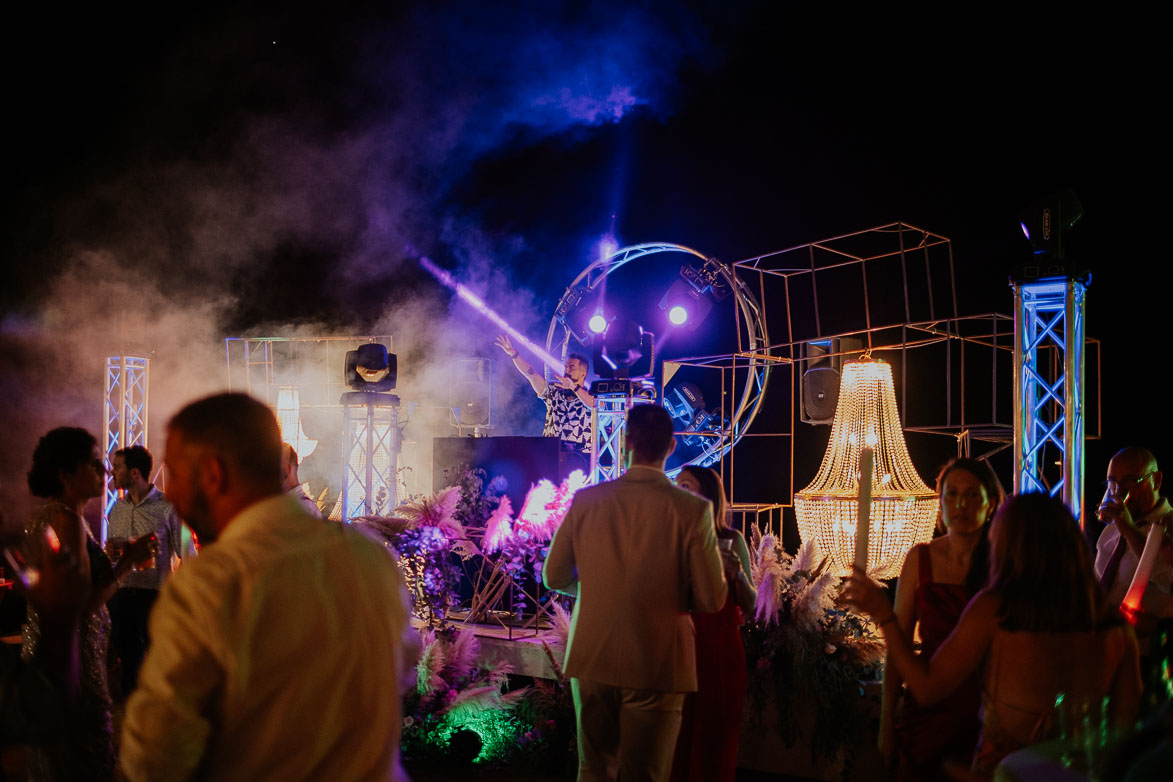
{"x":281,"y":167}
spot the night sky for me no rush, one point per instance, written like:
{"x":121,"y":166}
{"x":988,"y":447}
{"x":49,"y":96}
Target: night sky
{"x":267,"y":169}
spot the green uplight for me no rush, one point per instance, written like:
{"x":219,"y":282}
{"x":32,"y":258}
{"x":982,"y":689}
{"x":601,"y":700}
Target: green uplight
{"x":498,"y":731}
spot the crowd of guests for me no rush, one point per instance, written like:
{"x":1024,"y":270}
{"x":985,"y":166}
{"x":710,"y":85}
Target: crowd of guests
{"x":221,"y":691}
{"x":1008,"y":606}
{"x":1015,"y":620}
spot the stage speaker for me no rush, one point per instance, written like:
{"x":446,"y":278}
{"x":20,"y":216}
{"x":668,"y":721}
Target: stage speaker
{"x":470,"y":393}
{"x":521,"y":461}
{"x":819,"y":381}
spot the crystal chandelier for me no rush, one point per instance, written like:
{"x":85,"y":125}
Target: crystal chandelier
{"x":903,"y":508}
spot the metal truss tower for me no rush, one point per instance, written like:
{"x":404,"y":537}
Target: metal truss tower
{"x":372,"y":441}
{"x":613,"y":398}
{"x":1049,"y":382}
{"x":124,"y":414}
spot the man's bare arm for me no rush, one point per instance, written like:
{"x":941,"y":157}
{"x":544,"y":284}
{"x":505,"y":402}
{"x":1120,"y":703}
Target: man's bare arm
{"x":536,"y":381}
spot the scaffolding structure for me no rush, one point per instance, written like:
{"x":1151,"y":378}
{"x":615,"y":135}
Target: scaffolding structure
{"x":613,"y":400}
{"x":294,"y":375}
{"x":124,"y":414}
{"x":1049,"y":384}
{"x":313,"y":366}
{"x":370,"y":423}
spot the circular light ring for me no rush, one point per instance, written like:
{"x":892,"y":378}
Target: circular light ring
{"x":677,"y":315}
{"x":597,"y":324}
{"x":757,"y":343}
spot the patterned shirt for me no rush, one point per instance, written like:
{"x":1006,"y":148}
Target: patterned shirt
{"x":567,"y":418}
{"x":153,"y":514}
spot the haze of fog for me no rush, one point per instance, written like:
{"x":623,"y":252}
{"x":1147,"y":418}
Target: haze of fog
{"x":300,"y":213}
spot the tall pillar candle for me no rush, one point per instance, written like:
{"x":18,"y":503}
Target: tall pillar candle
{"x":863,"y":524}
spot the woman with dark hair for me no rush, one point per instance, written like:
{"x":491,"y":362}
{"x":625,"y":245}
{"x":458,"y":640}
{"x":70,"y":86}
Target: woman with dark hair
{"x":706,"y":749}
{"x":68,"y":471}
{"x":937,"y":581}
{"x":1039,"y":628}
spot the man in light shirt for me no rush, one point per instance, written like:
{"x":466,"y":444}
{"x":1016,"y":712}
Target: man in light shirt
{"x":141,"y":510}
{"x":277,"y":653}
{"x":639,"y":553}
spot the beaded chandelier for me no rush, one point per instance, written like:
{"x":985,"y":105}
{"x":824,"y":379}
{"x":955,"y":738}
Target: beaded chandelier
{"x":903,"y":509}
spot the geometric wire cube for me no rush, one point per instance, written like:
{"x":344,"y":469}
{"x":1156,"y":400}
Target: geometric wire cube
{"x":903,"y":509}
{"x":1049,"y":389}
{"x":124,"y":414}
{"x":371,"y":453}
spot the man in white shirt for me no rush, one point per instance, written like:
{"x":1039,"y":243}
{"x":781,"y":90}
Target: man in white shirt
{"x":277,"y":653}
{"x":141,"y":510}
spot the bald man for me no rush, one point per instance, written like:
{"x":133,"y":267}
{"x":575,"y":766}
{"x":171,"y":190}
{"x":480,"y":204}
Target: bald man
{"x":1132,"y":505}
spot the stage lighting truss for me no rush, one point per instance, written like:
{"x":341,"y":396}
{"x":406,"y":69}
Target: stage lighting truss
{"x":613,"y":399}
{"x":752,"y":357}
{"x":1049,"y":385}
{"x":371,"y":429}
{"x":124,"y":414}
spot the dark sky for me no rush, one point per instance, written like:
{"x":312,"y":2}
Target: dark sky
{"x":281,"y":164}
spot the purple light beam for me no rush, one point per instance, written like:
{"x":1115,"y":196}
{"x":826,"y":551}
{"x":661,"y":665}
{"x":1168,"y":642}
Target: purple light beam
{"x":445,"y":279}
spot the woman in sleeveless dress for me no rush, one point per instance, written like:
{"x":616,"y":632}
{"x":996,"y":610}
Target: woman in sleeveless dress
{"x":68,"y":471}
{"x":706,"y":750}
{"x":1039,"y":628}
{"x":937,"y":581}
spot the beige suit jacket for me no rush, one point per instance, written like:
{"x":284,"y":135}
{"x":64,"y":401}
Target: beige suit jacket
{"x":642,"y":554}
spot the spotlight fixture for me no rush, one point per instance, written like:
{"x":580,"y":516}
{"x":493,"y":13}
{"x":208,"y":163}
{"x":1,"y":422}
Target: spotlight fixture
{"x":371,"y":368}
{"x":624,"y":350}
{"x":1047,"y":224}
{"x":691,"y":298}
{"x":581,"y":312}
{"x":682,"y":401}
{"x":685,"y":305}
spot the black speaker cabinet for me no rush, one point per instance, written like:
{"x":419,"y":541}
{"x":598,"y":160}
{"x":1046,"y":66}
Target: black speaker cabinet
{"x":521,"y":461}
{"x":819,"y":382}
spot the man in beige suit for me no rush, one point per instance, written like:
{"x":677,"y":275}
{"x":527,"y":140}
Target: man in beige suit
{"x":640,"y":554}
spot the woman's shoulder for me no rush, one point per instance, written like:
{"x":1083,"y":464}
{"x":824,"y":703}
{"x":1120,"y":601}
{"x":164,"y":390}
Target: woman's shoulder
{"x":985,"y":606}
{"x":911,"y":566}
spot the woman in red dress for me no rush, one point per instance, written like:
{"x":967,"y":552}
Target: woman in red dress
{"x":706,"y":750}
{"x":936,"y":583}
{"x":1041,"y":627}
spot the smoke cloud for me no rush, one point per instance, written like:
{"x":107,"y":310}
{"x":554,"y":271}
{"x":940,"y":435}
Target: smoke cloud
{"x":283,"y":184}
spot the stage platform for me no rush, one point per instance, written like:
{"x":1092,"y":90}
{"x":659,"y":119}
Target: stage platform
{"x":519,"y":648}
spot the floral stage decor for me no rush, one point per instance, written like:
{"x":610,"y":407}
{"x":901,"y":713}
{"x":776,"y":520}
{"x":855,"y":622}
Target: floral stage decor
{"x":805,"y":653}
{"x":802,"y":648}
{"x":458,"y":708}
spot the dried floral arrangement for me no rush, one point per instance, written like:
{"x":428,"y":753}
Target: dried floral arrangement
{"x":459,"y":705}
{"x":803,"y":648}
{"x":458,"y":708}
{"x":517,"y":547}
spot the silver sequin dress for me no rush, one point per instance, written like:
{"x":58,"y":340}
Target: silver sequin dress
{"x":86,"y":748}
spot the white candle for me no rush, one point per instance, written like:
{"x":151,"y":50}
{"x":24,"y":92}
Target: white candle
{"x":863,"y":525}
{"x":1144,"y":569}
